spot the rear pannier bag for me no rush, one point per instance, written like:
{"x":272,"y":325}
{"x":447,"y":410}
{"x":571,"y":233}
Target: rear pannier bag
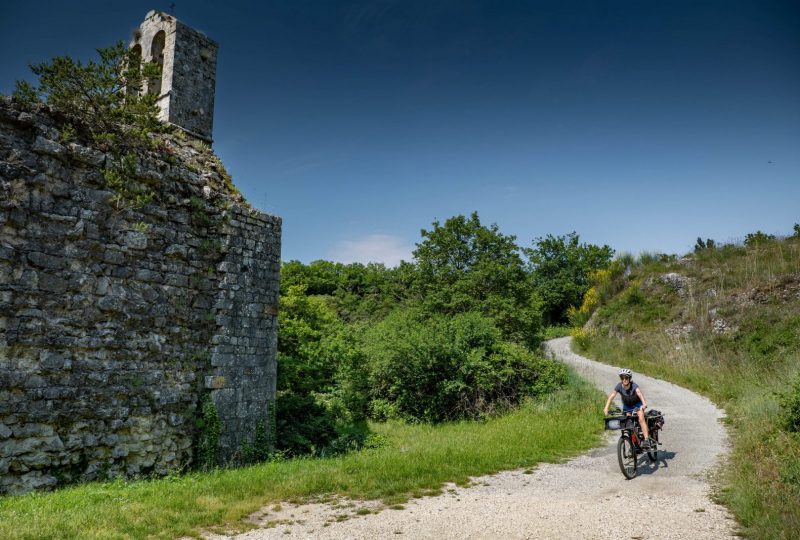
{"x":655,"y":418}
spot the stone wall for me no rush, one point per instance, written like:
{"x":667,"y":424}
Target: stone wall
{"x":114,"y":321}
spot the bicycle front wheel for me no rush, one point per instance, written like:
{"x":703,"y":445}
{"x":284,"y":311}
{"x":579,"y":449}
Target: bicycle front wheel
{"x":626,"y":454}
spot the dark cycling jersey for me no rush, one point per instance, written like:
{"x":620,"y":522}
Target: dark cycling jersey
{"x":629,"y":396}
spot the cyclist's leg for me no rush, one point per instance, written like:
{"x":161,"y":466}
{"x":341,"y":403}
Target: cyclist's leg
{"x":643,"y":423}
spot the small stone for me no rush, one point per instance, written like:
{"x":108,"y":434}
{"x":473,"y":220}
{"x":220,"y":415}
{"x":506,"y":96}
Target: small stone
{"x":5,"y":431}
{"x":102,"y":286}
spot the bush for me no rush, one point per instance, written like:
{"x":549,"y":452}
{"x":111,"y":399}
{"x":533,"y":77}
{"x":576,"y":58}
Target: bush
{"x":582,"y":337}
{"x":758,"y":238}
{"x":446,"y":368}
{"x":303,"y":425}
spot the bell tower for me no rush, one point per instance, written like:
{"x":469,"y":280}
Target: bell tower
{"x":188,"y":62}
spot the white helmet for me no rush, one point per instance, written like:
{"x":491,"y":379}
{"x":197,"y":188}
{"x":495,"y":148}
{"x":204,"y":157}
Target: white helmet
{"x":625,"y":372}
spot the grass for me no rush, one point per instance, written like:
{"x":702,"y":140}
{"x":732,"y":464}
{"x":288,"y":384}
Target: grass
{"x":417,"y":461}
{"x":755,"y":290}
{"x":555,"y":331}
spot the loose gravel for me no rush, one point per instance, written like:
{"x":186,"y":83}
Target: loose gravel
{"x":586,"y":497}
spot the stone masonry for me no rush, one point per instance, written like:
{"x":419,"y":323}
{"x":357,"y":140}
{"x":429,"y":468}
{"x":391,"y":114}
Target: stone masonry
{"x":188,"y":62}
{"x":114,"y":322}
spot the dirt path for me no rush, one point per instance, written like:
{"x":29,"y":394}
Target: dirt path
{"x":586,"y":497}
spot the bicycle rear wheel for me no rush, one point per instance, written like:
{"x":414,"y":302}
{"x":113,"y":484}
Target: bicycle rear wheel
{"x":626,"y":454}
{"x":652,"y":455}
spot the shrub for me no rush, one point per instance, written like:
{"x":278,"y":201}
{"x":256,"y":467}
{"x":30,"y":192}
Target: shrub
{"x":446,"y":368}
{"x":582,"y":337}
{"x":303,"y":425}
{"x":758,"y":238}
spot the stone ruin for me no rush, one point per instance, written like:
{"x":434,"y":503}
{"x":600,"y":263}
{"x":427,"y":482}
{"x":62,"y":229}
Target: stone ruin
{"x":115,"y":323}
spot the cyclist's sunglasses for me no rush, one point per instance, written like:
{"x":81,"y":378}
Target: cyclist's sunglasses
{"x":624,"y":377}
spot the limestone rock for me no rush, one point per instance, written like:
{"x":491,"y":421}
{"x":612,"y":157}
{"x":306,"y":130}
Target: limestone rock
{"x":46,"y":146}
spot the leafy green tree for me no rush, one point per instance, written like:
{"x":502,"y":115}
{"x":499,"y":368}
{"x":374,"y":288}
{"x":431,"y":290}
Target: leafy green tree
{"x":356,"y":291}
{"x":465,"y":266}
{"x":305,"y":321}
{"x":305,"y":370}
{"x":104,"y":98}
{"x":559,"y":269}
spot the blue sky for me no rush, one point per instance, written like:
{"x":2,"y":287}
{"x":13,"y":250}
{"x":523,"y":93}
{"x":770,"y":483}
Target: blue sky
{"x":641,"y":125}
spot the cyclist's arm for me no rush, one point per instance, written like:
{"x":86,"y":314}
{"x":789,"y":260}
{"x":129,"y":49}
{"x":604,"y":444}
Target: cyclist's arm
{"x":641,"y":397}
{"x":611,"y":397}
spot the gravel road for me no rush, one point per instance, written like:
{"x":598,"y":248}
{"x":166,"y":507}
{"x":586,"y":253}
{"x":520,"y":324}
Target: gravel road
{"x":586,"y":497}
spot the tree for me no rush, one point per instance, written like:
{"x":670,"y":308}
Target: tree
{"x":559,"y":269}
{"x":464,"y":266}
{"x":105,"y":98}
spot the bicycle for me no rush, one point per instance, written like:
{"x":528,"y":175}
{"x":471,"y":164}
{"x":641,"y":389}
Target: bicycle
{"x":629,"y":445}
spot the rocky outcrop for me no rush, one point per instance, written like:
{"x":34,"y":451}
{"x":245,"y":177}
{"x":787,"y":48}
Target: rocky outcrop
{"x":114,"y":321}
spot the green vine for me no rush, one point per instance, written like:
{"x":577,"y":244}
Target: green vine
{"x":210,"y":428}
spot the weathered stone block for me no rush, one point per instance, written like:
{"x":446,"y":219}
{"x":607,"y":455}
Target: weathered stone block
{"x":135,"y":240}
{"x":48,"y":147}
{"x":86,"y":155}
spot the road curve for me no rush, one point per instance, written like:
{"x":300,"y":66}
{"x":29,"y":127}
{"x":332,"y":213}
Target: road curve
{"x":586,"y":497}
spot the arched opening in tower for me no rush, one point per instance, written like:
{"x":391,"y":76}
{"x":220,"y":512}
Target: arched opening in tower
{"x":134,"y":82}
{"x":157,"y":57}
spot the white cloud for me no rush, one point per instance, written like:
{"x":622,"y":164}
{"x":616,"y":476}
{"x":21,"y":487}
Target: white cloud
{"x":379,"y":248}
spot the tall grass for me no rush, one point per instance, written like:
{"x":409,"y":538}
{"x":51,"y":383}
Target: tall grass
{"x":755,"y":290}
{"x":415,"y":460}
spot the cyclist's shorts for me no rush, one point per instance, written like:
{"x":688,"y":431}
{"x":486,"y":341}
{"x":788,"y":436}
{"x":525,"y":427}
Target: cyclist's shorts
{"x":634,"y":408}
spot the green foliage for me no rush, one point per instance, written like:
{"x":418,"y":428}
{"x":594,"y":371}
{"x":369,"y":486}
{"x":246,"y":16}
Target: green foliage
{"x":796,"y":230}
{"x":790,"y":407}
{"x":440,"y":368}
{"x":209,"y":430}
{"x":464,"y":266}
{"x":105,"y":96}
{"x":128,"y":194}
{"x":356,"y":291}
{"x":446,"y":336}
{"x":67,"y":134}
{"x":700,"y":245}
{"x":259,"y":449}
{"x":320,"y":387}
{"x":560,"y":268}
{"x":758,"y":238}
{"x":26,"y":94}
{"x":304,"y":426}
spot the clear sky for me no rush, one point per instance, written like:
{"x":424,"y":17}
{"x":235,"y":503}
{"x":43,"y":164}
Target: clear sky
{"x":641,"y":124}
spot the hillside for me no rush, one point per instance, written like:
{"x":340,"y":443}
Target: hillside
{"x":724,"y":321}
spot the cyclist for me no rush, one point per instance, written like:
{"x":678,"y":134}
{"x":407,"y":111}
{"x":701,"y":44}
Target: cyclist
{"x":633,"y":401}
